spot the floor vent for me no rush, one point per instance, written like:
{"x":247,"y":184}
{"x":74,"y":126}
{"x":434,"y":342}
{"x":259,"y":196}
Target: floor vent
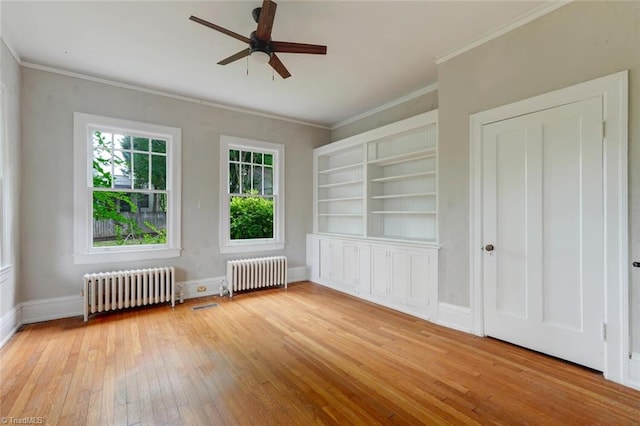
{"x":207,"y":306}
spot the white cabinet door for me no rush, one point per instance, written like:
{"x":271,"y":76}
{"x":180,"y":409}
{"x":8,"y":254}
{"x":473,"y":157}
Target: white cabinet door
{"x":380,"y":271}
{"x":326,"y":259}
{"x":420,"y":277}
{"x":400,"y":275}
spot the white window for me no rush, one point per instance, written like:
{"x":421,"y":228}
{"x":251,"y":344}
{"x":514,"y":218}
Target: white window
{"x":251,"y":195}
{"x":127,"y":190}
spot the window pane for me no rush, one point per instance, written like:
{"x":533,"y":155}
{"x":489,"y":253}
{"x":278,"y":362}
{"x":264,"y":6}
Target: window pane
{"x":268,"y":159}
{"x":102,"y":140}
{"x":122,"y":169}
{"x":122,"y":142}
{"x":127,"y":218}
{"x":158,"y":172}
{"x":234,"y":155}
{"x":158,"y":145}
{"x":234,"y":178}
{"x":257,"y":158}
{"x":268,"y":181}
{"x":141,"y":171}
{"x":140,"y":144}
{"x":246,"y":156}
{"x":102,"y":177}
{"x":250,"y":218}
{"x":257,"y":179}
{"x":246,"y":179}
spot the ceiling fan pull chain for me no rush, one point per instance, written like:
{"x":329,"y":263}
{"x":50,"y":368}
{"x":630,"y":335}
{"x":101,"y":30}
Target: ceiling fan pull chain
{"x":272,"y":76}
{"x":247,"y":65}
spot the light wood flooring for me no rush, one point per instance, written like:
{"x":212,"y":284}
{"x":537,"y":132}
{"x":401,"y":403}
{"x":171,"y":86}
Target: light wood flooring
{"x":302,"y":356}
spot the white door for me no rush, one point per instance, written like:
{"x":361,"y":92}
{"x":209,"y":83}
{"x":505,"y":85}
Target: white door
{"x":543,"y":231}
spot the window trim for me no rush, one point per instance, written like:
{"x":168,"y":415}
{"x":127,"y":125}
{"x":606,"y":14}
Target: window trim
{"x":84,"y":252}
{"x":254,"y":245}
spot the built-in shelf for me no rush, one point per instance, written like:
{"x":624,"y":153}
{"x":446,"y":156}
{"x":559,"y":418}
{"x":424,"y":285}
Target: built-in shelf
{"x":402,"y":158}
{"x":333,"y":185}
{"x":341,"y":168}
{"x":331,"y":200}
{"x":380,"y":184}
{"x":402,"y":212}
{"x":392,"y":196}
{"x":402,"y":177}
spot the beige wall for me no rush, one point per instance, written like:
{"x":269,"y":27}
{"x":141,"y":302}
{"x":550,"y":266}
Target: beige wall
{"x":578,"y":42}
{"x":10,"y":78}
{"x":48,"y":103}
{"x":415,"y":106}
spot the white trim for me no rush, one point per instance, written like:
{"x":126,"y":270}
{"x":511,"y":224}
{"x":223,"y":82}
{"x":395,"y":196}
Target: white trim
{"x":614,"y":91}
{"x":227,"y":246}
{"x":420,"y":92}
{"x":84,"y":253}
{"x":189,"y":288}
{"x":300,"y":273}
{"x":5,"y":273}
{"x":50,"y":309}
{"x":516,"y":23}
{"x":453,"y":316}
{"x":11,"y":51}
{"x":10,"y":323}
{"x":166,"y":94}
{"x":634,"y":370}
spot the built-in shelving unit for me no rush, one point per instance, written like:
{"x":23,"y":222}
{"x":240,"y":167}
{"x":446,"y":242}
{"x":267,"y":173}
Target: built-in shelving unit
{"x":340,"y":191}
{"x":376,"y":215}
{"x":381,"y":184}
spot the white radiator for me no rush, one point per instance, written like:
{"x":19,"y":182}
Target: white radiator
{"x":249,"y":274}
{"x":108,"y":291}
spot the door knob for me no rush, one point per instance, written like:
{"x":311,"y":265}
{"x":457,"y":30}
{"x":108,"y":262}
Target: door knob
{"x":636,"y":264}
{"x":489,"y":247}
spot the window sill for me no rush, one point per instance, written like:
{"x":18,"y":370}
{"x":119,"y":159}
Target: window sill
{"x":246,"y":248}
{"x":124,"y":256}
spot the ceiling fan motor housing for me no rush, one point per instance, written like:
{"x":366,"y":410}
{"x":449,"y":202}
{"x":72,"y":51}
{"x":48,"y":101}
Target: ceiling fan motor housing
{"x":258,"y":45}
{"x":256,"y":14}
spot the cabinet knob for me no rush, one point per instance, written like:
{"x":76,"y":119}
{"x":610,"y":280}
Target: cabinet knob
{"x":489,"y":247}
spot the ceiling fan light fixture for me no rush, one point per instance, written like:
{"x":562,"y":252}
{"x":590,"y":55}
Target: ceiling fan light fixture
{"x":260,"y":56}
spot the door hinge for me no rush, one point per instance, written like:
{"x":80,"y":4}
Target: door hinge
{"x":604,"y":129}
{"x":604,"y":331}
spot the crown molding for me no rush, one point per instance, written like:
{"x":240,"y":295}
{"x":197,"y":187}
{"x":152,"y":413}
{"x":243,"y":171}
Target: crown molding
{"x":518,"y":22}
{"x":428,"y":89}
{"x":11,"y":51}
{"x":165,"y":94}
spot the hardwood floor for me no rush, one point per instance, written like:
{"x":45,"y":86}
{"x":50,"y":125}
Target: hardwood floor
{"x":307,"y":355}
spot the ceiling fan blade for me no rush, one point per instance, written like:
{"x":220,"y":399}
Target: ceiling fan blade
{"x":279,"y":66}
{"x":265,"y":22}
{"x":241,"y":54}
{"x":287,"y":47}
{"x":220,"y":29}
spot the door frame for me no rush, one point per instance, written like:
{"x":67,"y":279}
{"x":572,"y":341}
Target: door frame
{"x":614,"y":92}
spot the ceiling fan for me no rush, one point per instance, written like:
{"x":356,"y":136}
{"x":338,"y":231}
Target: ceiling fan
{"x":260,"y":44}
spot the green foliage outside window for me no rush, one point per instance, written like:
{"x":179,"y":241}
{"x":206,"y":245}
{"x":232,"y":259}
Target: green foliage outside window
{"x":251,"y":217}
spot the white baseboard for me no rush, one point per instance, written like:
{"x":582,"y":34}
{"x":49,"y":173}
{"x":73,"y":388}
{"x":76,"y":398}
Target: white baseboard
{"x":453,"y":316}
{"x":50,"y":309}
{"x":189,"y":288}
{"x":301,"y":273}
{"x":634,"y":371}
{"x":10,"y":323}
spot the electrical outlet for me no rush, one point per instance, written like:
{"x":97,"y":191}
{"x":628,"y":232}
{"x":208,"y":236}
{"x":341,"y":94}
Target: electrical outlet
{"x":201,"y":289}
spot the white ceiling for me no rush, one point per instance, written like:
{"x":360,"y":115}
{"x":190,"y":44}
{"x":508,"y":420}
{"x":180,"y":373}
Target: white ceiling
{"x":377,"y":51}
